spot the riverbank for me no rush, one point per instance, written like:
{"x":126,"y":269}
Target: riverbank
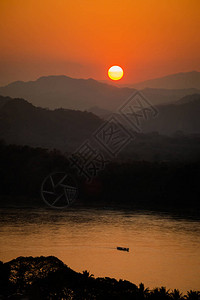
{"x":49,"y":278}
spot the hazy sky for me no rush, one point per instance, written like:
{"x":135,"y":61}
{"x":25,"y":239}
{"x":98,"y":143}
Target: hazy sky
{"x":83,"y":38}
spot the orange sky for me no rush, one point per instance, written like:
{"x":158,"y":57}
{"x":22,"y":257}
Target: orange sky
{"x":83,"y":38}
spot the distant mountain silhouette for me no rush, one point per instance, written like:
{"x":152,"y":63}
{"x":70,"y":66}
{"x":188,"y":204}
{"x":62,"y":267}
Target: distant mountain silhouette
{"x":102,"y":113}
{"x":189,"y":99}
{"x":182,"y":116}
{"x":62,"y":91}
{"x":24,"y":124}
{"x":166,"y":96}
{"x":179,"y":116}
{"x":82,"y":94}
{"x":185,"y":80}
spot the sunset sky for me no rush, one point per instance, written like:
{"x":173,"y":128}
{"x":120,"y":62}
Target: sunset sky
{"x":148,"y":38}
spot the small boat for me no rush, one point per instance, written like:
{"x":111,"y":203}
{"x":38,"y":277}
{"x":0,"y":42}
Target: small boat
{"x":123,"y":249}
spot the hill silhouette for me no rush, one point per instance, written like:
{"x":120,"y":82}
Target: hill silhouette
{"x":24,"y":124}
{"x":173,"y":81}
{"x":167,"y":96}
{"x":82,"y":94}
{"x":182,"y":116}
{"x":189,"y":99}
{"x":66,"y":92}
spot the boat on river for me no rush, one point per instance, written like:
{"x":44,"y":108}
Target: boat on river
{"x":123,"y":249}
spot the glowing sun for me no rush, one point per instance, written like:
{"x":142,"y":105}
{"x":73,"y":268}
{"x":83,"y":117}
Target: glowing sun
{"x":115,"y":73}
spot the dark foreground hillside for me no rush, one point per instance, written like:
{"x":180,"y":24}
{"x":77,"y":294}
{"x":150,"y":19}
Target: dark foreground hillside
{"x":140,"y":184}
{"x":24,"y":124}
{"x":49,"y":278}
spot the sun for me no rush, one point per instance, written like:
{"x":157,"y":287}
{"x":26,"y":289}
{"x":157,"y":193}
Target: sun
{"x":115,"y":73}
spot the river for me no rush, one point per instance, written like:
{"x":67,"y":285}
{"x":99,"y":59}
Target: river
{"x":164,"y":249}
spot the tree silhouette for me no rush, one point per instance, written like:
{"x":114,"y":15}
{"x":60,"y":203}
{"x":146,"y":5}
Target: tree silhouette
{"x":193,"y":295}
{"x":176,"y":294}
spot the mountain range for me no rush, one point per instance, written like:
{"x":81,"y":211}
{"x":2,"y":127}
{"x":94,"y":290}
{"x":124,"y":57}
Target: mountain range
{"x":83,"y":94}
{"x":174,"y":81}
{"x":182,"y":116}
{"x":64,"y":129}
{"x":62,"y":91}
{"x":24,"y":124}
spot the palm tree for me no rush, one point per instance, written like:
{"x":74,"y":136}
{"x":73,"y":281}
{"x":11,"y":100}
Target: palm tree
{"x":176,"y":295}
{"x":160,"y":293}
{"x":193,"y":295}
{"x":143,"y":292}
{"x":87,"y":274}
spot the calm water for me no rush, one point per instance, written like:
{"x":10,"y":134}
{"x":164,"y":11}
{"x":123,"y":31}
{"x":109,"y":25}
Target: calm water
{"x":163,"y":250}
